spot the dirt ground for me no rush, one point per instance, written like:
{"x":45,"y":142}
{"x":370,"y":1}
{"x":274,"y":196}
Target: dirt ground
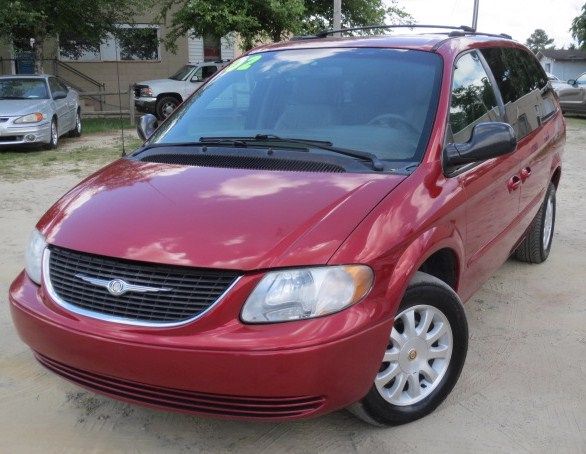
{"x":522,"y":388}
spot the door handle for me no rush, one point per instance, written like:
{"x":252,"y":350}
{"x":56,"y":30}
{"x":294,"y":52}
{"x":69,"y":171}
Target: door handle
{"x":525,"y":173}
{"x":514,"y":183}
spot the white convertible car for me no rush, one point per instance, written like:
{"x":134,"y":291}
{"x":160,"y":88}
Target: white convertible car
{"x":37,"y":110}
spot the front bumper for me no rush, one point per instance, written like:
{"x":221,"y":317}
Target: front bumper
{"x":25,"y":134}
{"x":215,"y":366}
{"x":146,"y":105}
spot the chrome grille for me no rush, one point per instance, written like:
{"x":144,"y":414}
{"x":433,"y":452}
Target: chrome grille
{"x":189,"y":291}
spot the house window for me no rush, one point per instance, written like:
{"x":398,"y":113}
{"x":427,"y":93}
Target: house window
{"x":137,"y":42}
{"x":212,"y":48}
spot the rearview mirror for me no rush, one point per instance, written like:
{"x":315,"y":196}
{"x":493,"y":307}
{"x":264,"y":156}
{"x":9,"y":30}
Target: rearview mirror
{"x":147,"y":124}
{"x":488,"y":140}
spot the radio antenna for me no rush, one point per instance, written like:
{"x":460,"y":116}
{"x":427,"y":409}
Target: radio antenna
{"x":475,"y":15}
{"x":117,"y":53}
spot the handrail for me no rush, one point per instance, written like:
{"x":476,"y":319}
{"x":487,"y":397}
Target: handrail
{"x":59,"y":63}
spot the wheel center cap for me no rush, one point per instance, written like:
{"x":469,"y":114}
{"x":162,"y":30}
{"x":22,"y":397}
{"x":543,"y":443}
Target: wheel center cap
{"x":412,"y":355}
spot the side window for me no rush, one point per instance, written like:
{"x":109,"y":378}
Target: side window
{"x":62,"y":86}
{"x":54,"y":85}
{"x":473,"y":98}
{"x":581,"y":80}
{"x":523,"y":84}
{"x":197,"y":75}
{"x":209,"y":71}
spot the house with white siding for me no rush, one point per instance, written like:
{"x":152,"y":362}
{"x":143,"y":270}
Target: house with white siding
{"x":562,"y":63}
{"x":136,"y":54}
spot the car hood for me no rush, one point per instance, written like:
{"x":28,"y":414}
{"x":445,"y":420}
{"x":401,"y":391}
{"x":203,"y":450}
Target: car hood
{"x":213,"y":217}
{"x":18,"y":107}
{"x":155,"y":83}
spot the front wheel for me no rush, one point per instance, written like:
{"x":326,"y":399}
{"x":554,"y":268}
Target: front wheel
{"x":424,"y":357}
{"x":54,"y":136}
{"x":165,"y":106}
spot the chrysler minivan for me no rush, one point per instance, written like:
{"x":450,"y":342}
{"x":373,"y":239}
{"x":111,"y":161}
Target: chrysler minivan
{"x":299,"y":235}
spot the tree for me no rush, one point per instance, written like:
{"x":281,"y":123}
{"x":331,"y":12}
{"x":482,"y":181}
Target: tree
{"x":258,"y":20}
{"x":539,"y":41}
{"x":578,"y":28}
{"x":79,"y":25}
{"x":253,"y":20}
{"x":319,"y":14}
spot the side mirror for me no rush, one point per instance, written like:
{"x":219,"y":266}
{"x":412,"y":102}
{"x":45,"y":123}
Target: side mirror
{"x":60,"y":95}
{"x":147,"y":124}
{"x":488,"y":140}
{"x":196,"y":79}
{"x":572,"y":82}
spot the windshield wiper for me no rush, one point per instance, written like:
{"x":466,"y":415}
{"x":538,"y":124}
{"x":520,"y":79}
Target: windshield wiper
{"x":321,"y":144}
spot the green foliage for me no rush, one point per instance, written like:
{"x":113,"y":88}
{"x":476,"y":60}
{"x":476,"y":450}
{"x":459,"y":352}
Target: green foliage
{"x":137,"y":43}
{"x":578,"y":28}
{"x":254,"y":20}
{"x":319,"y":14}
{"x":257,"y":21}
{"x":80,"y":24}
{"x":539,"y":41}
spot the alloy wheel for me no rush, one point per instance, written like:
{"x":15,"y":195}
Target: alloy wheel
{"x":417,"y":356}
{"x":548,"y":222}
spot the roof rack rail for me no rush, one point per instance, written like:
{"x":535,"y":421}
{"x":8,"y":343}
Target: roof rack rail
{"x":461,"y":30}
{"x":325,"y":33}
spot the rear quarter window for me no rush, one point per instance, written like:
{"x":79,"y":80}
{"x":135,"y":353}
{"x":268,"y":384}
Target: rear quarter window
{"x":523,"y":84}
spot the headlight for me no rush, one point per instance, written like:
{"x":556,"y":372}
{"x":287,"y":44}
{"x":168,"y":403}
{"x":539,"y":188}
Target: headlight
{"x":30,"y":118}
{"x":306,"y":292}
{"x":34,"y":256}
{"x":146,"y":91}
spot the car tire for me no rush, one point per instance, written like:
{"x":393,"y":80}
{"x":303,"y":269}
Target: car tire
{"x":536,"y":245}
{"x":54,"y":136}
{"x":165,"y":106}
{"x":424,"y":357}
{"x":76,"y":131}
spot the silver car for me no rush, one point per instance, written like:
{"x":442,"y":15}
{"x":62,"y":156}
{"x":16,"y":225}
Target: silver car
{"x":572,"y":95}
{"x":37,"y":110}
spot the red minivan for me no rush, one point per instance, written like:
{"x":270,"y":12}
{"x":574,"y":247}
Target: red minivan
{"x":299,"y":236}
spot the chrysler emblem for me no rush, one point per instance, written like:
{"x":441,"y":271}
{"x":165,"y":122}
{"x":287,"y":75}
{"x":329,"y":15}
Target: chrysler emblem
{"x":118,"y":287}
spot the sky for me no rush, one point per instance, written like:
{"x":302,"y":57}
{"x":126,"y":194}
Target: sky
{"x":518,"y":18}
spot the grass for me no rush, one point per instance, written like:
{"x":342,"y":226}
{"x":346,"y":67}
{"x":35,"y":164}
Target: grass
{"x":93,"y":125}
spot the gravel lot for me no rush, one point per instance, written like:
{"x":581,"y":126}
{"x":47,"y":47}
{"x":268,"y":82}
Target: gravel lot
{"x":522,"y":388}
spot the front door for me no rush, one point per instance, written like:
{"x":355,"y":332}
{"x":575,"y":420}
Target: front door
{"x":61,"y":106}
{"x":491,"y":187}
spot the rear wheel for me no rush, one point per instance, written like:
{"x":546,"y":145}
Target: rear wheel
{"x":165,"y":106}
{"x":536,"y":245}
{"x":424,"y":357}
{"x":76,"y":131}
{"x":54,"y":136}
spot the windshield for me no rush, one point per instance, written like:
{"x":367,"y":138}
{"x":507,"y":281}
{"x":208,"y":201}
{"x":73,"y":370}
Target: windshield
{"x":182,"y":73}
{"x":23,"y":89}
{"x":380,"y":101}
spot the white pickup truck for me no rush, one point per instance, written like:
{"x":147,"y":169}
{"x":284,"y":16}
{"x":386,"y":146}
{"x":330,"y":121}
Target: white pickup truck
{"x":162,"y":96}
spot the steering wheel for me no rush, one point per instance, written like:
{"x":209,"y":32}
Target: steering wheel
{"x":390,"y":119}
